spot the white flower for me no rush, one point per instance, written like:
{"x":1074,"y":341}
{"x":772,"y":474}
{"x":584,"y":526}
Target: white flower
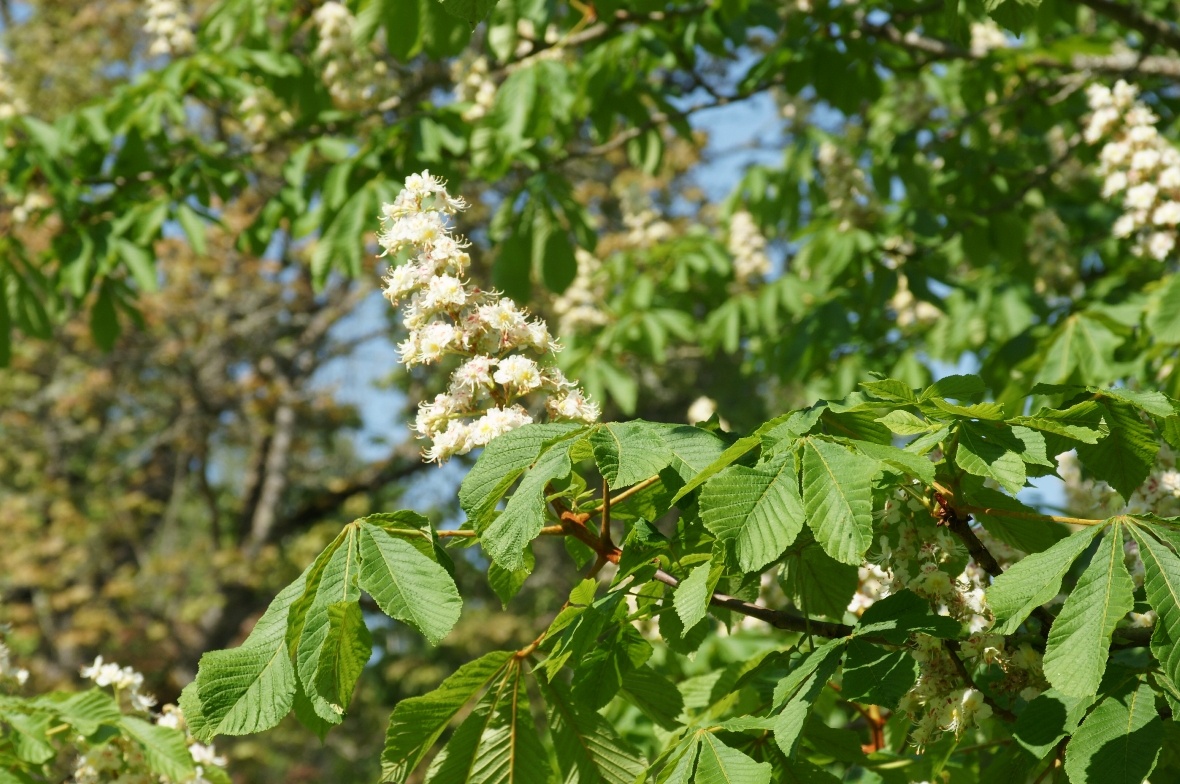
{"x":1124,"y":226}
{"x":474,"y":374}
{"x":1115,"y":153}
{"x":497,"y":422}
{"x":444,"y":291}
{"x":205,"y":755}
{"x":1115,"y":183}
{"x":1124,"y":94}
{"x":1145,"y":160}
{"x":435,"y":339}
{"x":701,"y":409}
{"x":1167,"y":214}
{"x":748,"y":246}
{"x":1160,"y":245}
{"x":1141,"y":197}
{"x":574,"y":406}
{"x":502,"y":316}
{"x":401,"y":281}
{"x":1098,"y":96}
{"x":170,"y":28}
{"x":421,"y":228}
{"x":519,"y":372}
{"x":1170,"y":177}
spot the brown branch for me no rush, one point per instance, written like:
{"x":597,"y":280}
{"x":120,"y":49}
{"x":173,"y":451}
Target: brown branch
{"x":630,"y":491}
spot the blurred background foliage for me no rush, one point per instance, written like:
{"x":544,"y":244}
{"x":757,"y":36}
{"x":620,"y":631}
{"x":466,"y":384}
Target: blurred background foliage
{"x":750,"y":201}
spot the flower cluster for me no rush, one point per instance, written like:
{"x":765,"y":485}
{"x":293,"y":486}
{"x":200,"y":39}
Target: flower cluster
{"x":1159,"y":494}
{"x":447,"y":316}
{"x":849,"y":196}
{"x":748,"y":248}
{"x":263,"y":117}
{"x":119,"y":760}
{"x":1139,"y":164}
{"x":170,"y":28}
{"x":909,"y":309}
{"x":579,"y":307}
{"x":11,"y":104}
{"x":474,"y":86}
{"x":986,"y":37}
{"x":355,"y":78}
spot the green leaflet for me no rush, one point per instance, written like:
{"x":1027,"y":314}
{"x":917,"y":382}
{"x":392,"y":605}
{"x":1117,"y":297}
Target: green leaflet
{"x":1162,"y":583}
{"x":501,"y":463}
{"x":1082,"y":344}
{"x":758,"y":509}
{"x":588,"y":748}
{"x":504,"y":539}
{"x":249,"y":688}
{"x":992,"y":453}
{"x":1163,"y":318}
{"x":1034,"y":580}
{"x":506,"y":749}
{"x":30,"y":742}
{"x":417,"y":722}
{"x":685,"y":766}
{"x":799,"y":690}
{"x":899,"y":615}
{"x":800,"y":771}
{"x":629,"y":452}
{"x":692,"y":448}
{"x":654,"y":695}
{"x":1048,"y":719}
{"x":916,"y":466}
{"x":164,"y":748}
{"x":1081,"y":422}
{"x":904,"y":423}
{"x":876,"y":675}
{"x":1079,"y":640}
{"x":85,"y":711}
{"x":1125,"y":456}
{"x":784,"y":426}
{"x":470,"y":11}
{"x":816,"y":581}
{"x":407,"y":585}
{"x":337,"y":584}
{"x":1119,"y":741}
{"x":691,"y":597}
{"x":956,"y":387}
{"x":719,"y":764}
{"x":507,"y":583}
{"x":345,"y":652}
{"x":599,"y":672}
{"x":838,"y":498}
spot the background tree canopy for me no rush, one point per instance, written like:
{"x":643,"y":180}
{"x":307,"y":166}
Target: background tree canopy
{"x":726,"y":211}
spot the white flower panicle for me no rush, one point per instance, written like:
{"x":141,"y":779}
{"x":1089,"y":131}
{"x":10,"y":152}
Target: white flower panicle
{"x":909,"y":309}
{"x":474,"y":86}
{"x":355,"y":78}
{"x":123,"y":679}
{"x":170,"y":28}
{"x":503,"y":349}
{"x":1138,"y":164}
{"x":748,"y":248}
{"x":986,"y":37}
{"x":580,"y":306}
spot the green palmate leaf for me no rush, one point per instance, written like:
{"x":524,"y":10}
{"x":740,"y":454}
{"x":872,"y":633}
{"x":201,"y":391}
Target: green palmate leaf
{"x":588,"y":749}
{"x":418,"y":721}
{"x":305,"y":713}
{"x":757,"y":509}
{"x":407,"y":585}
{"x":337,"y":584}
{"x":1079,"y":640}
{"x":599,"y":672}
{"x":798,"y":691}
{"x":344,"y":654}
{"x":629,"y":452}
{"x":654,"y":695}
{"x":683,"y":768}
{"x":1048,"y":719}
{"x":691,"y":598}
{"x":896,"y":617}
{"x":505,"y":538}
{"x":502,"y":463}
{"x":815,"y":581}
{"x":164,"y":748}
{"x":719,"y":764}
{"x":1034,"y":580}
{"x":1153,"y":402}
{"x":1162,"y":583}
{"x":838,"y":499}
{"x":992,"y":453}
{"x":1126,"y":455}
{"x":1163,"y":320}
{"x":877,"y":675}
{"x":1119,"y":741}
{"x":249,"y":688}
